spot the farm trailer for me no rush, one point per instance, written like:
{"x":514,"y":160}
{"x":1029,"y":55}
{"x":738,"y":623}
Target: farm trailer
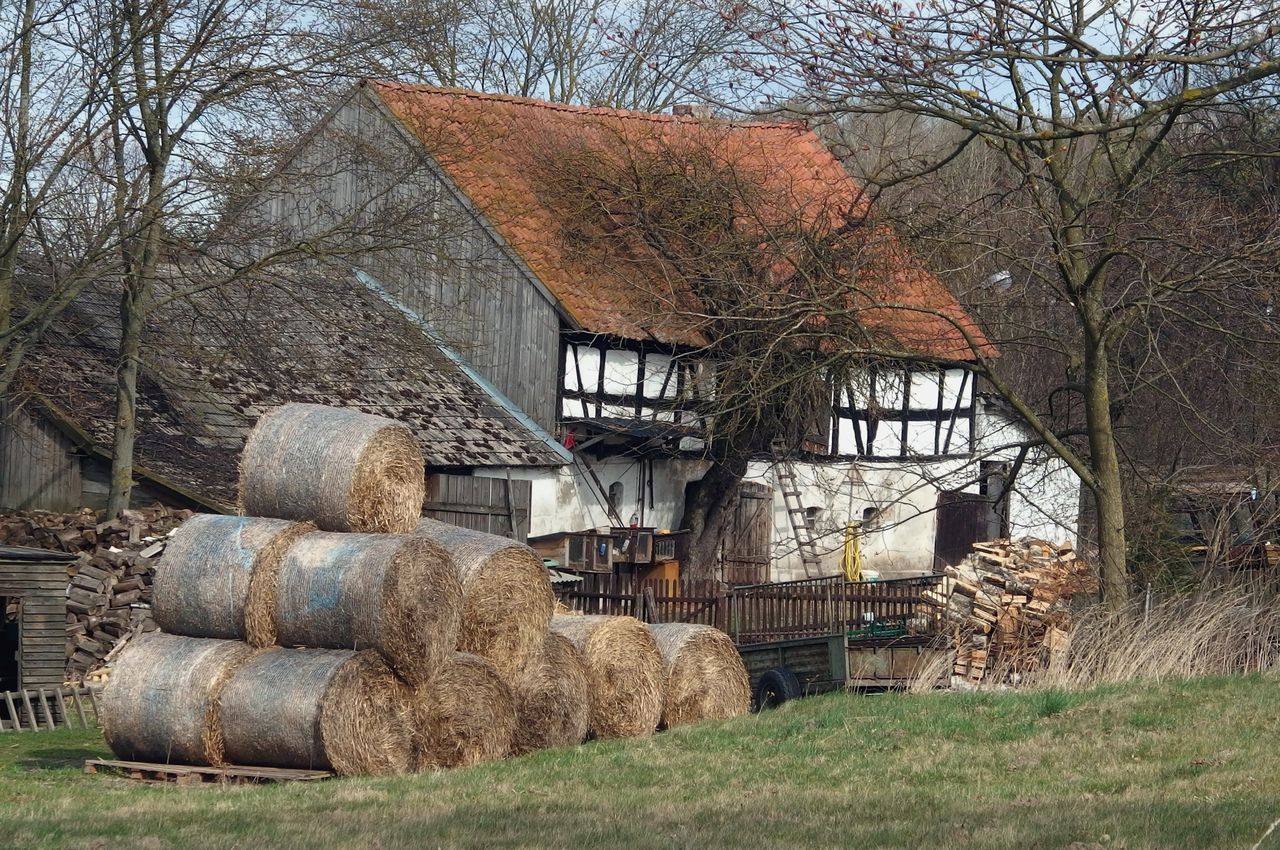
{"x":782,"y":670}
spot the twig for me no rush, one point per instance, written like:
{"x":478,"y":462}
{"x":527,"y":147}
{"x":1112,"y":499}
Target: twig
{"x":1270,"y":830}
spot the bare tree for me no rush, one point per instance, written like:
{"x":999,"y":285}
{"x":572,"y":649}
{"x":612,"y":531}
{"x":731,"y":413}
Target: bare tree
{"x":56,"y":116}
{"x":194,"y":81}
{"x":1079,"y":103}
{"x":637,"y":54}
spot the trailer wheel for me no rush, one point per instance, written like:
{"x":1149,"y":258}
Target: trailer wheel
{"x":776,"y":686}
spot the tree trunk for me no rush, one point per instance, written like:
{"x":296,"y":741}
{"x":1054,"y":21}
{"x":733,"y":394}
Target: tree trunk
{"x":1107,"y":489}
{"x":706,"y":506}
{"x":126,"y":424}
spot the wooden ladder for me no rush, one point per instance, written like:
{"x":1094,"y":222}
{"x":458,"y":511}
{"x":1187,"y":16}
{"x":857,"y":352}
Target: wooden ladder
{"x":796,"y":513}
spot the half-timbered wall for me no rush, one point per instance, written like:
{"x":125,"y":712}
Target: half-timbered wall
{"x":899,"y":411}
{"x":607,"y":380}
{"x":361,"y":182}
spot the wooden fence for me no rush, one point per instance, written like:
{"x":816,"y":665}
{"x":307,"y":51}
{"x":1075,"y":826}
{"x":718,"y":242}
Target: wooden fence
{"x":48,"y":709}
{"x":828,"y":605}
{"x":654,"y":601}
{"x":763,"y":612}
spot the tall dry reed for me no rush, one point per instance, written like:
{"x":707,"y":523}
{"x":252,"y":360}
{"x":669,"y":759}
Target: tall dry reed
{"x":1219,"y":628}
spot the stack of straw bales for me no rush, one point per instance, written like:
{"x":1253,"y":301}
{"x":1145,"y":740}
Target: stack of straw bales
{"x":333,"y":628}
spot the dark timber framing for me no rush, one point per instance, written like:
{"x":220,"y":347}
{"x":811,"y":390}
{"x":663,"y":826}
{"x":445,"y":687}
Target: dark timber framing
{"x":583,"y":392}
{"x":868,"y":420}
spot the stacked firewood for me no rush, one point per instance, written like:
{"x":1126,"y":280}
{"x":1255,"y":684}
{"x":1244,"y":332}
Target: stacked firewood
{"x":1008,"y":608}
{"x":109,"y":584}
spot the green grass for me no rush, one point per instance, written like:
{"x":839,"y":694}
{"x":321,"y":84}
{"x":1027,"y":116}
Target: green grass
{"x":1177,"y":765}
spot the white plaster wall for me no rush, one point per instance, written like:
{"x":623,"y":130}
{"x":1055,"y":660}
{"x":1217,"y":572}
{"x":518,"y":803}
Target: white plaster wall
{"x":1046,"y":494}
{"x":566,"y":499}
{"x":1044,"y":504}
{"x":905,"y":495}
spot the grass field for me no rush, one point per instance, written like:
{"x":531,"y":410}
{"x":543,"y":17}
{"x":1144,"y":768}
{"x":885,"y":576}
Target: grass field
{"x":1179,"y":765}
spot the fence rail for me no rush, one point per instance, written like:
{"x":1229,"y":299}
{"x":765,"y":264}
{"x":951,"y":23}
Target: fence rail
{"x":47,"y":709}
{"x":762,"y":612}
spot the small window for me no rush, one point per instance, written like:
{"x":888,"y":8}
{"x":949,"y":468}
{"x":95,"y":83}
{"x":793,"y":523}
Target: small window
{"x":811,"y":516}
{"x":615,"y":496}
{"x":870,"y":518}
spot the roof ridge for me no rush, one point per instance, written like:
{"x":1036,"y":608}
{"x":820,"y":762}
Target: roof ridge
{"x":611,"y":111}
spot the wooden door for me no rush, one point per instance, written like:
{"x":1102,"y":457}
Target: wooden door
{"x":962,"y":521}
{"x":747,"y":545}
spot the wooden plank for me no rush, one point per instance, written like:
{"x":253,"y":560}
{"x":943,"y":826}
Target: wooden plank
{"x":26,"y":702}
{"x":62,"y":708}
{"x":13,"y":712}
{"x":75,"y":698}
{"x":195,"y":774}
{"x":44,"y":706}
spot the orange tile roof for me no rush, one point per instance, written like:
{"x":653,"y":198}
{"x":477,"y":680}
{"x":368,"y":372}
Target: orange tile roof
{"x":499,"y":150}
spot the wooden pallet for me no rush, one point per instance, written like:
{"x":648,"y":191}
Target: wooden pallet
{"x":189,"y":774}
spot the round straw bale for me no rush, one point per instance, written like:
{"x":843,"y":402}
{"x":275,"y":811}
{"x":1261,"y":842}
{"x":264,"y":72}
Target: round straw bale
{"x":624,"y":671}
{"x":464,"y":715}
{"x":320,"y":709}
{"x":341,"y":469}
{"x":160,"y":702}
{"x":705,"y":676}
{"x":395,"y":593}
{"x":506,"y":595}
{"x":551,"y":698}
{"x":207,"y":581}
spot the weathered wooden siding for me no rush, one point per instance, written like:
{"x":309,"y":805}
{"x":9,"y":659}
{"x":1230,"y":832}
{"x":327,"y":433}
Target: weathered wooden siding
{"x":39,"y":467}
{"x":42,"y":586}
{"x":493,"y":505}
{"x":359,"y":179}
{"x":95,"y":487}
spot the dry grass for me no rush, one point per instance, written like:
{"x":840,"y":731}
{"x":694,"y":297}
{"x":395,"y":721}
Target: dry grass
{"x":341,"y":469}
{"x":464,"y":715}
{"x":705,"y":676}
{"x":626,"y":676}
{"x":1218,"y":629}
{"x":551,"y":699}
{"x":506,"y":595}
{"x":160,"y":703}
{"x":215,"y":569}
{"x":316,"y":708}
{"x":396,"y":593}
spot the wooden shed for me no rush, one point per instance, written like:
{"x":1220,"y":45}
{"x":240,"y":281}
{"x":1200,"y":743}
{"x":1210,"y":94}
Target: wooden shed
{"x":33,"y":618}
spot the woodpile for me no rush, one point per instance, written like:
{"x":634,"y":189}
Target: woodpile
{"x":109,"y":585}
{"x":1008,"y":606}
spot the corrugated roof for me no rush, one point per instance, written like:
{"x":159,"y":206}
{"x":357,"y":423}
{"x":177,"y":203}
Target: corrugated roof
{"x":216,"y":361}
{"x":499,"y":150}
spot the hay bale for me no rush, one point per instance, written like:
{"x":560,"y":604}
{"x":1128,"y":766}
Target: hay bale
{"x":705,"y":676}
{"x":341,"y":469}
{"x":624,"y":672}
{"x":216,"y":578}
{"x":551,"y":699}
{"x":322,"y":709}
{"x":395,"y":593}
{"x":160,"y":702}
{"x":464,"y":715}
{"x":506,"y":595}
